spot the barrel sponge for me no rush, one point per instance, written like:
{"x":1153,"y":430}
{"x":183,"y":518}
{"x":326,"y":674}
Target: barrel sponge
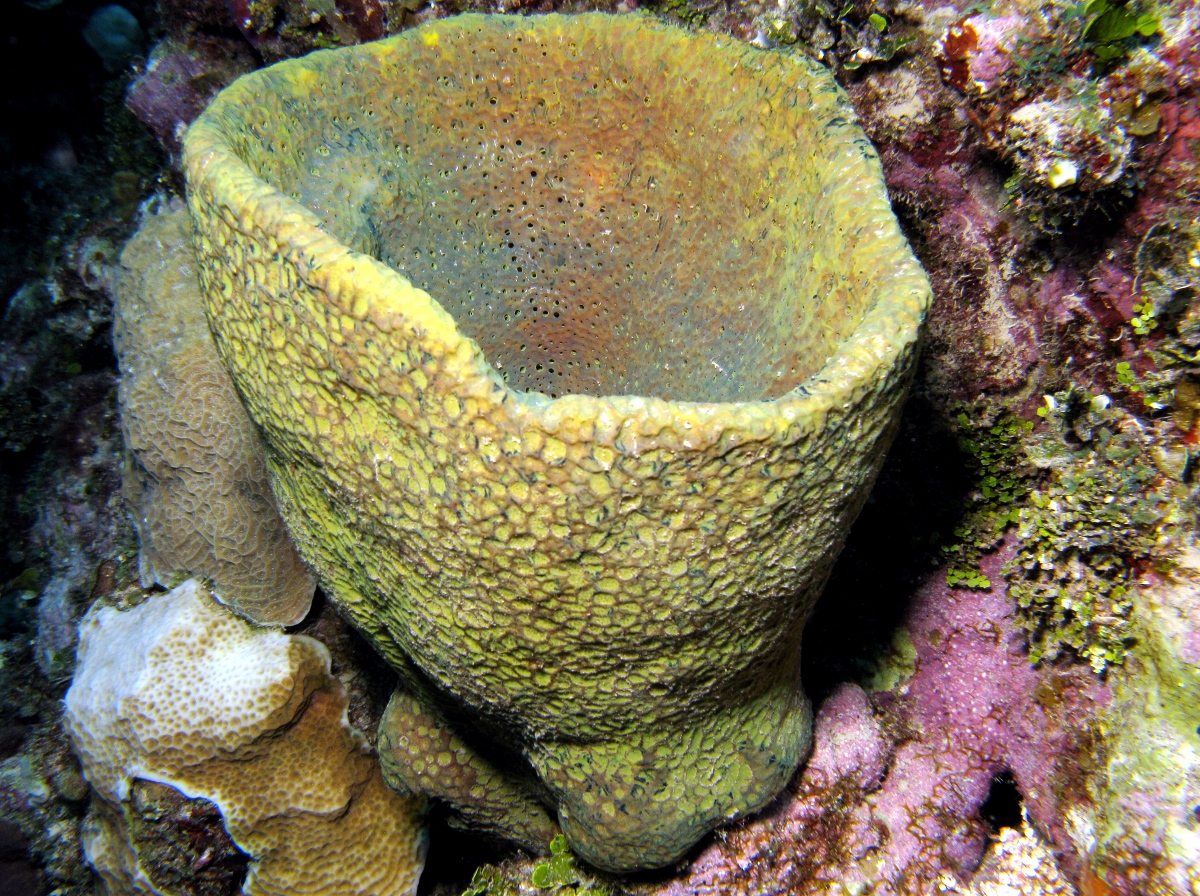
{"x":180,"y":691}
{"x":576,"y":343}
{"x":195,"y":476}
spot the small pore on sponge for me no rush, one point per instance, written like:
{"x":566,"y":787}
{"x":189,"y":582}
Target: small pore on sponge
{"x":195,"y":474}
{"x":606,"y":208}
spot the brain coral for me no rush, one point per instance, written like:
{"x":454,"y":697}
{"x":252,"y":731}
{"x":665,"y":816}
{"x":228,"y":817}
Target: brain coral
{"x":576,"y":343}
{"x":195,"y":475}
{"x":179,"y":691}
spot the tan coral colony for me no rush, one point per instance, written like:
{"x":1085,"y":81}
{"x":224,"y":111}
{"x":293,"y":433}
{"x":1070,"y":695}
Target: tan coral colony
{"x":180,"y":691}
{"x":195,"y":477}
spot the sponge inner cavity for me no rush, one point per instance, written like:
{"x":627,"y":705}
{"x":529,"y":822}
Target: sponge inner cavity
{"x":603,"y":215}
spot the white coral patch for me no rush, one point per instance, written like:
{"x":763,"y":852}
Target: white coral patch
{"x":174,"y":674}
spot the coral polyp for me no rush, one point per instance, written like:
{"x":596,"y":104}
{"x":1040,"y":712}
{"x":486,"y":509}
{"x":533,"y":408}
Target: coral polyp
{"x":576,"y":343}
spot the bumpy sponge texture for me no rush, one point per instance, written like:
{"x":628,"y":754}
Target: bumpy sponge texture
{"x":409,"y":248}
{"x":195,"y":477}
{"x":420,"y":751}
{"x":180,"y":691}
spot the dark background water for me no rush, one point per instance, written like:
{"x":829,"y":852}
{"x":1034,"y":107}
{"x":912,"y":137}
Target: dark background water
{"x":63,"y":130}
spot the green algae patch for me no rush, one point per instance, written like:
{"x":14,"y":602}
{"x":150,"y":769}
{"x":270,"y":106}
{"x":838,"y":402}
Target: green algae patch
{"x":1089,"y":531}
{"x":1001,"y":477}
{"x":576,"y":343}
{"x":556,"y":875}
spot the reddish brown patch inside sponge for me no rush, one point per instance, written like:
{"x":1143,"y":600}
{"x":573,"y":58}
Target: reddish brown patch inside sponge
{"x":611,"y":208}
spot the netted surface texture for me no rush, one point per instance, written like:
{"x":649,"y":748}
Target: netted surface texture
{"x":616,"y":580}
{"x":598,"y":224}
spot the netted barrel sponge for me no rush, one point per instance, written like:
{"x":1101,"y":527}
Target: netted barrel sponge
{"x":605,"y":207}
{"x":180,"y":691}
{"x":409,"y":248}
{"x":195,"y":478}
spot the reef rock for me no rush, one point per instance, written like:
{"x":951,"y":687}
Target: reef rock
{"x":1140,"y":827}
{"x":195,"y":478}
{"x":181,"y":78}
{"x":178,"y":691}
{"x":890,"y":802}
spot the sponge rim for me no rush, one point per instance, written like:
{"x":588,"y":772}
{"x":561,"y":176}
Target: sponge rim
{"x":882,"y":344}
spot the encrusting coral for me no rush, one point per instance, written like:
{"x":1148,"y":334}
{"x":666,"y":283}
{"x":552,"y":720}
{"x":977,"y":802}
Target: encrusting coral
{"x":179,"y":691}
{"x":576,"y":343}
{"x":195,"y":477}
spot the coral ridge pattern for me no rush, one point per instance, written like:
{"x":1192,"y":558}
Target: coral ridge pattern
{"x":195,"y":475}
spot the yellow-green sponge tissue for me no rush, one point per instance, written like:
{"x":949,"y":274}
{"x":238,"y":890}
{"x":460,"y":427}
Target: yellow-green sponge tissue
{"x":576,"y":343}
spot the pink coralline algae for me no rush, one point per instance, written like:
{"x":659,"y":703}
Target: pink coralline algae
{"x":982,"y":334}
{"x":1002,"y":321}
{"x":892,"y":796}
{"x":203,"y":51}
{"x":180,"y":79}
{"x":1065,"y":109}
{"x":982,"y":709}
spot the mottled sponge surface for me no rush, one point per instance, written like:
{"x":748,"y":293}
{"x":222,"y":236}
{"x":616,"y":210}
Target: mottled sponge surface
{"x":595,"y":224}
{"x":180,"y":691}
{"x":195,"y":478}
{"x":576,"y":343}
